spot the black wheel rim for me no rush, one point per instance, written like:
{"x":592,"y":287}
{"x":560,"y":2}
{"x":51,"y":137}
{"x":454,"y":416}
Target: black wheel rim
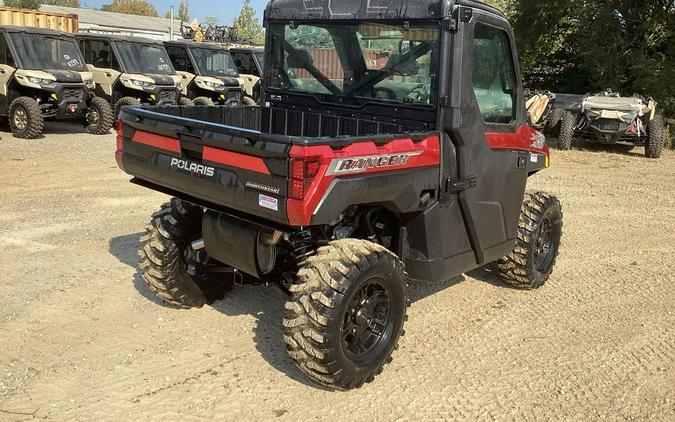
{"x":93,"y":116}
{"x":367,"y":320}
{"x":545,"y":247}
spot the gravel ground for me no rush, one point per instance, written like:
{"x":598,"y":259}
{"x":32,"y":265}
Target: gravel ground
{"x":82,"y":338}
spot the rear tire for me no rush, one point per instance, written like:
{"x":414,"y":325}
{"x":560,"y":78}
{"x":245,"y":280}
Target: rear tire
{"x":186,"y":102}
{"x":123,"y":102}
{"x":166,"y":260}
{"x":531,"y":263}
{"x":25,"y":118}
{"x":553,"y":121}
{"x":655,"y":137}
{"x":102,"y":122}
{"x":567,"y":122}
{"x":203,"y":101}
{"x":346,"y":314}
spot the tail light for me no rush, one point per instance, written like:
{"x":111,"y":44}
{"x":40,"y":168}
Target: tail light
{"x":301,"y":174}
{"x":119,"y":145}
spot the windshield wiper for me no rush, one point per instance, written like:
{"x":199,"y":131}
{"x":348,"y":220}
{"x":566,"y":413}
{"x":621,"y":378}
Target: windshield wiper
{"x":316,"y":73}
{"x":414,"y":54}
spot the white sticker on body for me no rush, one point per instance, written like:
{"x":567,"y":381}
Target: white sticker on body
{"x":268,"y":202}
{"x":534,"y":158}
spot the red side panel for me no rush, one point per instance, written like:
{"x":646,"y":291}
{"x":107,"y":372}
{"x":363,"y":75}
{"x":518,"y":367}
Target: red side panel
{"x":425,"y":153}
{"x":235,"y":159}
{"x":522,"y":140}
{"x":157,"y":141}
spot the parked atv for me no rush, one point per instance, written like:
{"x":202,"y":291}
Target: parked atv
{"x":43,"y":76}
{"x":250,"y":64}
{"x":131,"y":71}
{"x":608,"y":118}
{"x":208,"y":72}
{"x":341,"y":195}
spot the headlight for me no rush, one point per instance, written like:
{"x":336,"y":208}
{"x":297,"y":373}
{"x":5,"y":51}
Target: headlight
{"x":213,"y":85}
{"x":135,"y":83}
{"x":90,"y":84}
{"x":40,"y":81}
{"x":142,"y":84}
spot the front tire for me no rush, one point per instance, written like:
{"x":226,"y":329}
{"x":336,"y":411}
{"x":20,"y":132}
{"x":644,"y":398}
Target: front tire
{"x":248,"y":101}
{"x":169,"y":265}
{"x":99,"y":117}
{"x":25,"y":118}
{"x":203,"y":101}
{"x":186,"y":102}
{"x":531,"y":263}
{"x":567,"y":123}
{"x":123,"y":102}
{"x":655,"y":137}
{"x":346,"y":314}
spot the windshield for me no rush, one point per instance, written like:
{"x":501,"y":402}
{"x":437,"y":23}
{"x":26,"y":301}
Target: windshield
{"x":144,"y":58}
{"x":261,"y":58}
{"x":45,"y":52}
{"x":214,"y":62}
{"x":356,"y":63}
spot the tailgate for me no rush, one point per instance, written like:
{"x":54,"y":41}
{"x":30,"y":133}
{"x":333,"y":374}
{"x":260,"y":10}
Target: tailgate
{"x":229,"y":166}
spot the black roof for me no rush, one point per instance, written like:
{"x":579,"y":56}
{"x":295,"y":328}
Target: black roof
{"x":119,"y":38}
{"x":366,"y":9}
{"x":32,"y":30}
{"x":248,"y":49}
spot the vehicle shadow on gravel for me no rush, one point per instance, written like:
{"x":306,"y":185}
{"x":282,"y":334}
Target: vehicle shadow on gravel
{"x":51,"y":128}
{"x":265,"y":304}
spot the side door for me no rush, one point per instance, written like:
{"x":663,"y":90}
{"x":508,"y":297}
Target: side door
{"x":100,"y":58}
{"x":488,"y":125}
{"x":7,"y":68}
{"x":182,"y":64}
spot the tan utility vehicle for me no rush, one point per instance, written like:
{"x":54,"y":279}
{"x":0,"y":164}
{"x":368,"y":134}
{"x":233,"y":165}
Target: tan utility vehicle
{"x":131,"y":71}
{"x":608,"y":118}
{"x":43,"y":76}
{"x":208,"y":73}
{"x":250,"y":64}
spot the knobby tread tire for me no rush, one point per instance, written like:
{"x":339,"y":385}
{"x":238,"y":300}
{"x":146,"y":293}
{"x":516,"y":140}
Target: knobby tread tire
{"x":566,"y":135}
{"x":554,"y":120}
{"x":106,"y":117}
{"x":655,"y":137}
{"x":203,"y":101}
{"x":36,"y":122}
{"x":516,"y":268}
{"x":186,"y":102}
{"x":161,"y":254}
{"x":124,"y":101}
{"x":248,"y":101}
{"x":313,"y":313}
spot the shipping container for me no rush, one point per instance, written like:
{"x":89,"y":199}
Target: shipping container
{"x":38,"y":19}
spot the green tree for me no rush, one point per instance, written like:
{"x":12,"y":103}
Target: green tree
{"x":210,"y":21}
{"x":131,"y":7}
{"x":65,"y":3}
{"x":182,"y":13}
{"x":23,"y":4}
{"x":247,"y":27}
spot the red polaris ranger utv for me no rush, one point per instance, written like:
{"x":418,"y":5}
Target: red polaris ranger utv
{"x":392,"y":145}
